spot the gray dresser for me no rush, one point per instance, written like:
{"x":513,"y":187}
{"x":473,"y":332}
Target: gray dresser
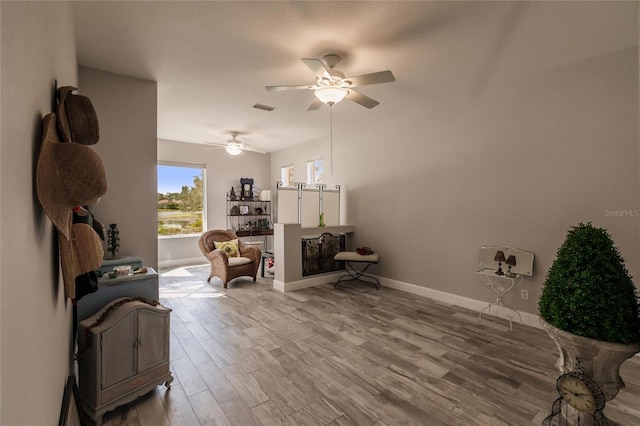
{"x":123,"y":353}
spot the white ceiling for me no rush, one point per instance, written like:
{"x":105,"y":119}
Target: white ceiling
{"x":213,"y":59}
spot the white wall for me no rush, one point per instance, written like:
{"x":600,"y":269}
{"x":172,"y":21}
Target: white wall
{"x":127,"y":114}
{"x":38,"y":46}
{"x":515,"y":165}
{"x":222,"y":172}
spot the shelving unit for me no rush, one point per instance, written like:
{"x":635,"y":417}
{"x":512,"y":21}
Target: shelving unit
{"x":249,"y":217}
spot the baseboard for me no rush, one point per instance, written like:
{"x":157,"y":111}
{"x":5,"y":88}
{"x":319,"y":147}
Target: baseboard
{"x":181,"y":262}
{"x":453,"y":299}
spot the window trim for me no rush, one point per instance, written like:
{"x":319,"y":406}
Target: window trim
{"x":311,"y":171}
{"x":203,"y":168}
{"x":292,"y":178}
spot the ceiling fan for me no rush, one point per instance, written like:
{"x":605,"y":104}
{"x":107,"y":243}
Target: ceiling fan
{"x":233,"y":146}
{"x":332,"y":86}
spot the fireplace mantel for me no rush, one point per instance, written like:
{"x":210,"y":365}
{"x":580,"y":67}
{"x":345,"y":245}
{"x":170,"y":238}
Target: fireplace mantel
{"x":287,"y":246}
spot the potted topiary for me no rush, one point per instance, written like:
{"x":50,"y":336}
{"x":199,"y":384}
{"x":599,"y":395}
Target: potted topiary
{"x":589,"y":307}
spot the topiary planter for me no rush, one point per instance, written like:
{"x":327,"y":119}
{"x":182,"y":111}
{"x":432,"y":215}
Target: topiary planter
{"x":599,"y":360}
{"x":589,"y":306}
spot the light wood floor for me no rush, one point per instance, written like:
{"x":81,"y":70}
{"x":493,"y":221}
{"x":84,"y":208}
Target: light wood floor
{"x":249,"y":355}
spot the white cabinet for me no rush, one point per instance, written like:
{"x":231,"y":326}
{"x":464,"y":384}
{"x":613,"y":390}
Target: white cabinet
{"x":123,"y":353}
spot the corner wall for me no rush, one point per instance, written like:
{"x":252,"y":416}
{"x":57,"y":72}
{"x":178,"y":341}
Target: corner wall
{"x":517,"y":165}
{"x":38,"y":46}
{"x":127,"y":114}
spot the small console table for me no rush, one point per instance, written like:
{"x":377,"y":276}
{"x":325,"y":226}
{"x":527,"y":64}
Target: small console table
{"x":500,"y":285}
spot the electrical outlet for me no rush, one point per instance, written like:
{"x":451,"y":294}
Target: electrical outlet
{"x":524,"y":294}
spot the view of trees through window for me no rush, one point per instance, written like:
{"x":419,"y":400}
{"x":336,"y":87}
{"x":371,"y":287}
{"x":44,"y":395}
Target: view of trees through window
{"x":180,"y":199}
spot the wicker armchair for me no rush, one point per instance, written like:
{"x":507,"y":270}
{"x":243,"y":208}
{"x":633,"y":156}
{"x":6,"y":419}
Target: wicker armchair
{"x":228,"y":268}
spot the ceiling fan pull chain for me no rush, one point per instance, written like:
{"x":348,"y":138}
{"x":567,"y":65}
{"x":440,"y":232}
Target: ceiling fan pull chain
{"x":331,"y":127}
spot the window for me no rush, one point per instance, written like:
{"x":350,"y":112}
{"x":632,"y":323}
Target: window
{"x":287,"y":175}
{"x":180,"y":199}
{"x":315,"y":172}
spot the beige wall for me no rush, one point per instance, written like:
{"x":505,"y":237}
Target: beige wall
{"x":222,"y":172}
{"x":515,"y":164}
{"x":38,"y":46}
{"x":127,"y":112}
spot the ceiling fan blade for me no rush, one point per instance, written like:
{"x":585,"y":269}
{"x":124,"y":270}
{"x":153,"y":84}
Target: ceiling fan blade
{"x":252,"y":149}
{"x":317,"y":67}
{"x":292,"y":87}
{"x":373,"y":78}
{"x":361,"y":99}
{"x":317,"y":103}
{"x":213,"y":145}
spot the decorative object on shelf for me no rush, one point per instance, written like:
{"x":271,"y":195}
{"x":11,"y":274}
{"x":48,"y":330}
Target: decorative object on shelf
{"x":511,"y":261}
{"x":499,"y":258}
{"x":235,"y":211}
{"x":246,"y":188}
{"x":113,"y":239}
{"x":232,"y":194}
{"x":589,"y":306}
{"x":581,"y":393}
{"x":243,"y":209}
{"x":321,"y":222}
{"x":259,"y":210}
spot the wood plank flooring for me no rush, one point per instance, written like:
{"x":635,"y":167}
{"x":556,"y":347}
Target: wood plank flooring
{"x":249,"y":355}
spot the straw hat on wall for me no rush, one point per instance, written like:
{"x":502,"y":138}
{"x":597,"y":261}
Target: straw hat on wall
{"x":68,"y":175}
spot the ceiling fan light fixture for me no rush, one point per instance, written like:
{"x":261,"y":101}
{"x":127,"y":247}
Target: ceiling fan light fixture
{"x":233,"y":149}
{"x":330,"y":94}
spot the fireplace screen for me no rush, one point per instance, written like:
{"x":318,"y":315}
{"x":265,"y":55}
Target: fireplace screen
{"x":317,"y":254}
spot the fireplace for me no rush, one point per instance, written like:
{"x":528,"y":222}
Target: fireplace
{"x":318,"y":253}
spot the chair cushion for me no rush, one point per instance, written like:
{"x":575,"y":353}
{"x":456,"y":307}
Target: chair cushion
{"x":229,"y":247}
{"x":352,"y":256}
{"x":237,"y":261}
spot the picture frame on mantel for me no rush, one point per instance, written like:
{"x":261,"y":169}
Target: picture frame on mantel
{"x":71,"y":413}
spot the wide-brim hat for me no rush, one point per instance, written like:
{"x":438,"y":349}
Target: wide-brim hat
{"x":80,"y":254}
{"x":67,"y":175}
{"x":77,"y":119}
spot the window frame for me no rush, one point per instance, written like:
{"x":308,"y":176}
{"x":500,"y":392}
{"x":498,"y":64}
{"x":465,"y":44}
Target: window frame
{"x":197,"y":166}
{"x":311,"y":171}
{"x":287,"y":182}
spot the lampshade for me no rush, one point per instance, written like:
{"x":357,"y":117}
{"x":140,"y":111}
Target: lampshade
{"x":233,"y":149}
{"x":511,"y":260}
{"x":499,"y":256}
{"x":330,"y":94}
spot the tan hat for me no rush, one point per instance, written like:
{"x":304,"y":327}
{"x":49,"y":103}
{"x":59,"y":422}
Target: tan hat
{"x":80,"y":254}
{"x":68,"y":175}
{"x":77,"y":118}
